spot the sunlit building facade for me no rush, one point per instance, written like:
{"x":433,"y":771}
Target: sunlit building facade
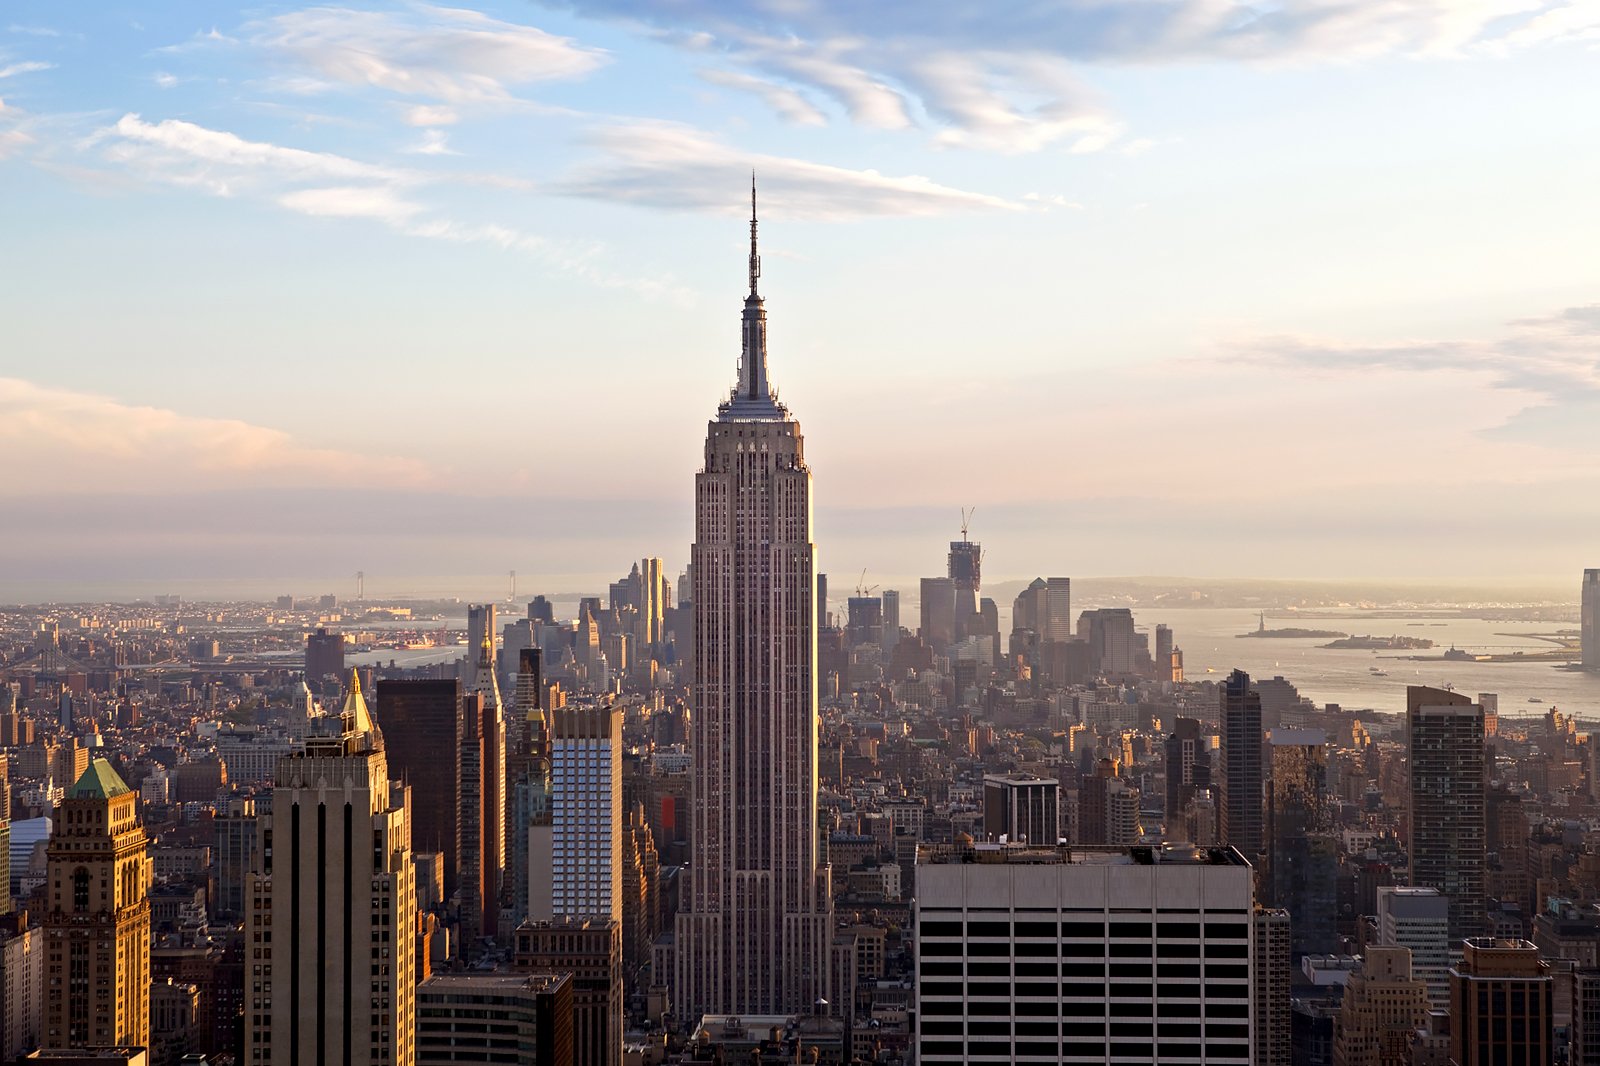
{"x":757,"y":923}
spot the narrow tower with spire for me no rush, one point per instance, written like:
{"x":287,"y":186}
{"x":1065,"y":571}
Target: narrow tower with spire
{"x":752,"y":397}
{"x":754,"y":935}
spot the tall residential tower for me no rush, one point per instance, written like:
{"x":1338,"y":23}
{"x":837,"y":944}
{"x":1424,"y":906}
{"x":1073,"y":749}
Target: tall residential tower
{"x":755,"y":930}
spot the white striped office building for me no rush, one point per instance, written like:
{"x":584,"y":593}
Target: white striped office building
{"x":1028,"y":954}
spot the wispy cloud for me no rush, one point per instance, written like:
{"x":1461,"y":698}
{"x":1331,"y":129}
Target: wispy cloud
{"x":433,"y":142}
{"x":1006,"y":76}
{"x":1554,"y":360}
{"x":452,"y":57}
{"x":63,"y":437}
{"x":669,"y":165}
{"x":33,"y":31}
{"x":29,"y":67}
{"x":790,"y":105}
{"x":1046,"y":201}
{"x":326,"y":185}
{"x":224,"y":163}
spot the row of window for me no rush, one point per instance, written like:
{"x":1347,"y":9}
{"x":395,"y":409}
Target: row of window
{"x":1143,"y":993}
{"x":1161,"y":930}
{"x":1167,"y":971}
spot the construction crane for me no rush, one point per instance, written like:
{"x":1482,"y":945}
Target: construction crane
{"x":966,"y":518}
{"x":862,"y":590}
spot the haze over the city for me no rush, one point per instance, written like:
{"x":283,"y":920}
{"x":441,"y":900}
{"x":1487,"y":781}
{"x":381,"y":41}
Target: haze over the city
{"x":1198,"y":288}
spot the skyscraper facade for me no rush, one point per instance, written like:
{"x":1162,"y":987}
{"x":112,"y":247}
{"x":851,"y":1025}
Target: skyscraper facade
{"x":528,"y":768}
{"x":1590,"y":619}
{"x":1112,"y":639}
{"x":1502,"y":1009}
{"x":324,"y":657}
{"x":1241,"y":810}
{"x":938,"y":612}
{"x":483,"y":782}
{"x":891,"y":620}
{"x":330,"y":930}
{"x":1032,"y":954}
{"x":755,"y":932}
{"x":1418,"y":919}
{"x":965,"y":568}
{"x":1057,"y":610}
{"x":1383,"y":1003}
{"x":422,"y":732}
{"x":1021,"y":808}
{"x":1448,"y":846}
{"x":97,"y":931}
{"x":1188,"y":769}
{"x":1302,"y":853}
{"x":586,"y":794}
{"x":1270,"y":982}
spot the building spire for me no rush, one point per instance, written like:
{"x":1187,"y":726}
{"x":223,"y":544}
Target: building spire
{"x":752,"y":396}
{"x":755,"y":259}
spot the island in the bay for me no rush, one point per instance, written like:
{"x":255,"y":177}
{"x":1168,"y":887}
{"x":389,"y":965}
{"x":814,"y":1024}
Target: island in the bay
{"x":1261,"y":630}
{"x":1381,"y":643}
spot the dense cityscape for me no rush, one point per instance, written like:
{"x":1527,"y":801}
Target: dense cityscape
{"x":711,"y":819}
{"x":1155,"y":623}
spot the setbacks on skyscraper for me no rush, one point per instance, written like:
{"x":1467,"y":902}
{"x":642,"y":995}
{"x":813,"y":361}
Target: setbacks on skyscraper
{"x":754,"y":936}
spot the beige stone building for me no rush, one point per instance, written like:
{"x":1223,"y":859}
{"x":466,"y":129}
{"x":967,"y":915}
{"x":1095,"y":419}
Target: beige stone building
{"x":1384,"y":1002}
{"x":97,"y":930}
{"x":330,"y":965}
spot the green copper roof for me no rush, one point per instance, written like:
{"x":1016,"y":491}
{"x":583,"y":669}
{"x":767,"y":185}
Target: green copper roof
{"x":99,"y":781}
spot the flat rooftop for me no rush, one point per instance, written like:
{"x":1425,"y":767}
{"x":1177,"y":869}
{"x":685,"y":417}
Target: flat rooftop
{"x":501,"y":980}
{"x":1067,"y":855}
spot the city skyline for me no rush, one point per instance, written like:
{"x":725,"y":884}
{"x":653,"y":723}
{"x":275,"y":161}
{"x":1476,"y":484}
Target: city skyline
{"x":1156,"y":218}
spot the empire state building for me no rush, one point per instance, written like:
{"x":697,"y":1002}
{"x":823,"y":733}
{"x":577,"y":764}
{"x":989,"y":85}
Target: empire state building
{"x":755,"y":935}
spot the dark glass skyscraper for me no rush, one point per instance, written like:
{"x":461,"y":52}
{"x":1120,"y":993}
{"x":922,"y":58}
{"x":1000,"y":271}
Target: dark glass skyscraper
{"x":1302,"y":855}
{"x":422,"y":726}
{"x":1241,"y":818}
{"x":1445,"y":731}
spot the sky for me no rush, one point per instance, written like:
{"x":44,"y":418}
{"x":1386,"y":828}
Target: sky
{"x":1304,"y":289}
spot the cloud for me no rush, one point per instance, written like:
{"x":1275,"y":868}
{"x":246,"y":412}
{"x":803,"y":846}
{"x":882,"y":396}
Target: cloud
{"x":326,"y":185}
{"x":12,"y":141}
{"x":375,"y":202}
{"x":57,"y":437}
{"x":447,"y":55}
{"x":787,"y":102}
{"x":1004,"y":76}
{"x":1052,"y":200}
{"x":1553,"y":359}
{"x":431,"y":115}
{"x":29,"y":67}
{"x":33,"y":31}
{"x":14,"y":127}
{"x":669,"y":165}
{"x":434,"y":142}
{"x":224,"y":163}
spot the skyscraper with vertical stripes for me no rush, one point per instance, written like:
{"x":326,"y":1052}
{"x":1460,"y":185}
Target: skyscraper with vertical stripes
{"x":330,"y":925}
{"x":754,"y":934}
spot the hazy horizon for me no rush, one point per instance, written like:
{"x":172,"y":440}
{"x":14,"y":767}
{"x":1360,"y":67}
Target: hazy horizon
{"x":494,"y":588}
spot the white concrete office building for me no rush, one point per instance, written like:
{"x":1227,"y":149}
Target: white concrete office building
{"x":1031,"y":954}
